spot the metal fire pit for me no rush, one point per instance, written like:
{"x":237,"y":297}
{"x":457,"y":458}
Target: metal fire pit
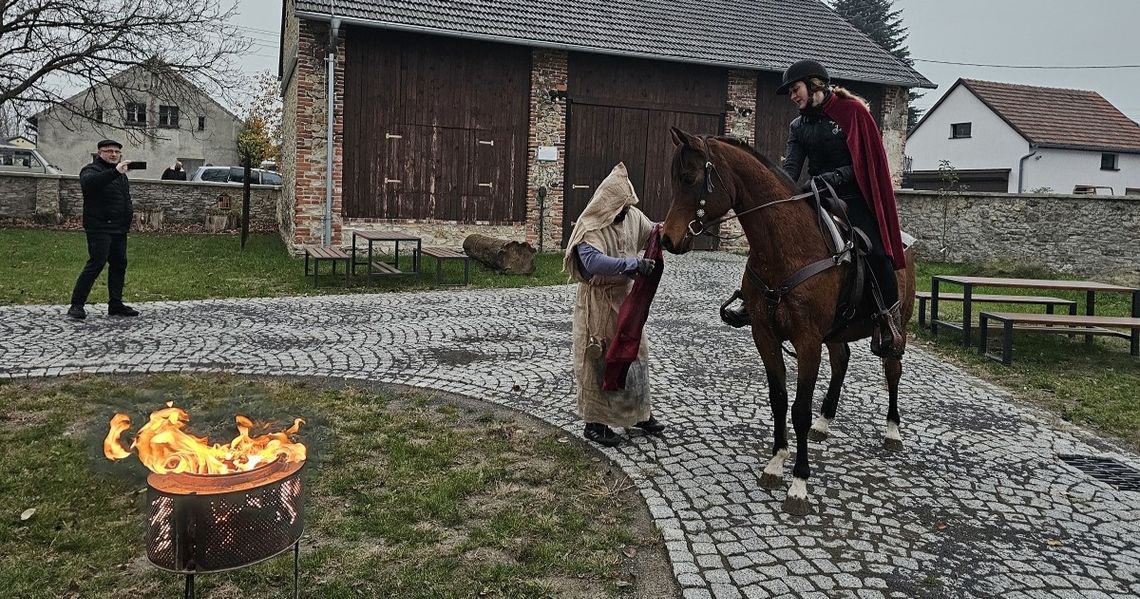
{"x":211,"y":523}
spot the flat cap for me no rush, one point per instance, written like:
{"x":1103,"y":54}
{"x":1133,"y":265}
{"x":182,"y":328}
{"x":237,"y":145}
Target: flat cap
{"x":109,"y":142}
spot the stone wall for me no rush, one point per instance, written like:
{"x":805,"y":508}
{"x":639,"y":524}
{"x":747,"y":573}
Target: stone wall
{"x":893,"y":120}
{"x":1082,"y":235}
{"x":49,"y":198}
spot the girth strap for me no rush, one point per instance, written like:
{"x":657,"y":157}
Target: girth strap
{"x":775,"y":296}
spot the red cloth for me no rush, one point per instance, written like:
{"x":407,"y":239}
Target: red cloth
{"x":872,"y":171}
{"x":631,"y":318}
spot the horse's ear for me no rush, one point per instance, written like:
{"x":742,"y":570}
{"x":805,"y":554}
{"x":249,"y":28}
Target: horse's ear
{"x":680,"y":138}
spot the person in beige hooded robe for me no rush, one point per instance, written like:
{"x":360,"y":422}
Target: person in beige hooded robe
{"x":602,"y":256}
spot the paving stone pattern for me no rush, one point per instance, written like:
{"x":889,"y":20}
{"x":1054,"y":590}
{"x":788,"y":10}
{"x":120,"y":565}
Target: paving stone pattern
{"x":976,"y":505}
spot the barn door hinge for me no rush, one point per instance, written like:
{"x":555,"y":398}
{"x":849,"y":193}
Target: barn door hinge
{"x":387,"y":180}
{"x":579,"y":187}
{"x":486,"y":142}
{"x":487,"y":185}
{"x":392,"y":136}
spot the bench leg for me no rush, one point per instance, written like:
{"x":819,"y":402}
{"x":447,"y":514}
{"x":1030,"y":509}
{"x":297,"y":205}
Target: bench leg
{"x":922,"y":312}
{"x":1007,"y":343}
{"x":934,"y":307}
{"x":1135,"y":343}
{"x":983,"y":333}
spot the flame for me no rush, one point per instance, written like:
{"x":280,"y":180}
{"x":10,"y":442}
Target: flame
{"x":164,"y":447}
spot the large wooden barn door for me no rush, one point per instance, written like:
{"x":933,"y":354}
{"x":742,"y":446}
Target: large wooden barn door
{"x":435,"y":128}
{"x":621,"y":110}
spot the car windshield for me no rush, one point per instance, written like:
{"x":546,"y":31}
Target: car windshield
{"x":217,"y":175}
{"x":269,"y":178}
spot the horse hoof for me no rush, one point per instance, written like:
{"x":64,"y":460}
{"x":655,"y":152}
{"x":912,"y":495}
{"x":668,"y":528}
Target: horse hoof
{"x":815,"y":435}
{"x":797,"y":506}
{"x":892,"y":444}
{"x":771,"y":481}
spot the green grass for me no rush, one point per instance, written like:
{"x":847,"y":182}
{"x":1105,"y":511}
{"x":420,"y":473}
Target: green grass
{"x":407,"y":494}
{"x":1095,"y":385}
{"x":42,"y":265}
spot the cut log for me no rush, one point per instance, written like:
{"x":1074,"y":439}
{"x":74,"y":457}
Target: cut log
{"x":504,"y":256}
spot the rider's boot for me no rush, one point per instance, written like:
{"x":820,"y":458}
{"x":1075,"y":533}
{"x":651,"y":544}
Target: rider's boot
{"x":887,"y":338}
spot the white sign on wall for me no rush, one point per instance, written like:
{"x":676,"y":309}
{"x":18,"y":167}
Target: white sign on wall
{"x":547,"y":153}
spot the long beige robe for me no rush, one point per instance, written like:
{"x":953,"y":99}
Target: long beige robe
{"x":599,"y":300}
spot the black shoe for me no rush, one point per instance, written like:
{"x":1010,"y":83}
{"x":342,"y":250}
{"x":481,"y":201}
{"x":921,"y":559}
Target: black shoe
{"x":77,"y":312}
{"x":121,"y":310}
{"x":651,"y":426}
{"x":601,"y":434}
{"x":736,"y":316}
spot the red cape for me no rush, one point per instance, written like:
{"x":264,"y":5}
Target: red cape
{"x":631,"y":318}
{"x":872,"y":171}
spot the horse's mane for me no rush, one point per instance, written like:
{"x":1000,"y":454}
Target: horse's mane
{"x":775,"y":169}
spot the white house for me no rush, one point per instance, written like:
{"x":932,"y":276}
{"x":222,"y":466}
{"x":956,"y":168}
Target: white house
{"x":1017,"y":138}
{"x":184,"y":123}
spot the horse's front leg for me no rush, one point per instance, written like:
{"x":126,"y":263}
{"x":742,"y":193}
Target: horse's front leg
{"x":808,"y":356}
{"x":839,"y":354}
{"x":892,"y":440}
{"x":776,"y":371}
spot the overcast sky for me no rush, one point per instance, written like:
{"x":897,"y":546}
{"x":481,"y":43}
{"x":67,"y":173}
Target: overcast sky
{"x":992,"y":32}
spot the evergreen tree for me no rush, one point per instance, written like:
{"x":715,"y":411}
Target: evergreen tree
{"x":883,"y":24}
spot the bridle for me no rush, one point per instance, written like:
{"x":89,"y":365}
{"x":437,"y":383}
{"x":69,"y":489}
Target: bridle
{"x":698,"y":227}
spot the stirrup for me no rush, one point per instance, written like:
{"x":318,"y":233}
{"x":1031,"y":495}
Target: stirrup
{"x":736,"y":317}
{"x":888,"y":324}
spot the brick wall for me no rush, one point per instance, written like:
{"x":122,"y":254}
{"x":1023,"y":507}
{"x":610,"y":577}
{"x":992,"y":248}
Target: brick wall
{"x":287,"y":165}
{"x":547,"y":128}
{"x":305,"y":132}
{"x":49,"y":198}
{"x":739,"y":121}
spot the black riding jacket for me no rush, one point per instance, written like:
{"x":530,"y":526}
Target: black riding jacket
{"x":107,"y":202}
{"x":817,"y":138}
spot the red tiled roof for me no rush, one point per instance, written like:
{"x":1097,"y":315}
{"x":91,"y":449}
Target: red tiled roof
{"x":1056,"y":117}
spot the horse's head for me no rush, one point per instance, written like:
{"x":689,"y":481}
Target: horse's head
{"x":700,"y":193}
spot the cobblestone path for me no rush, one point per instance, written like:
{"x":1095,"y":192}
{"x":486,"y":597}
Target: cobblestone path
{"x":976,"y":505}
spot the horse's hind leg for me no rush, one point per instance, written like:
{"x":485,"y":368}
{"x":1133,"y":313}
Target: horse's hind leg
{"x":773,"y":476}
{"x":839,"y":354}
{"x":892,"y":367}
{"x":807,"y":371}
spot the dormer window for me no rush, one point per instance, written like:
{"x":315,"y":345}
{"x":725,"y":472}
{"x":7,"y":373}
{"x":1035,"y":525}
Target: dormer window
{"x":960,"y":130}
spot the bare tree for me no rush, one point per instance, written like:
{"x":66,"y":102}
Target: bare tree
{"x":49,"y":49}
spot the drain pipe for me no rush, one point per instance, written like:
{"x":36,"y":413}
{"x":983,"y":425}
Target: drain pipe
{"x":1021,"y":167}
{"x":330,"y":61}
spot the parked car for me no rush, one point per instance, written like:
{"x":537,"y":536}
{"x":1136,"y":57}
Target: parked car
{"x":25,"y":160}
{"x":236,"y":174}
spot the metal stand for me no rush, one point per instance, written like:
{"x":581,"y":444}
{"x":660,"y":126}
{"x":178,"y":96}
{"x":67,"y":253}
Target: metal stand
{"x":188,"y":593}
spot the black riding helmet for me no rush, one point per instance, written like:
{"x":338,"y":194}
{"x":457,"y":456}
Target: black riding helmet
{"x":800,"y":71}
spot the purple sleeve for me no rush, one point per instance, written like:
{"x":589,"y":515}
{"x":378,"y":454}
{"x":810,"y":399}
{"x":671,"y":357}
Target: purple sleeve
{"x":594,"y":263}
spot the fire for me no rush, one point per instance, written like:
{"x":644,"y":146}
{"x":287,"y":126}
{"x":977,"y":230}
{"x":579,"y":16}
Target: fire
{"x":164,"y":447}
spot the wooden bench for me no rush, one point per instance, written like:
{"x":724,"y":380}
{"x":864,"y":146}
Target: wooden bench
{"x":1064,"y":324}
{"x":441,"y":254}
{"x":1038,"y":300}
{"x":326,"y":254}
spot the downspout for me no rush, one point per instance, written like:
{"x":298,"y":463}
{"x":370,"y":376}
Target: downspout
{"x":1021,"y":167}
{"x":330,"y":61}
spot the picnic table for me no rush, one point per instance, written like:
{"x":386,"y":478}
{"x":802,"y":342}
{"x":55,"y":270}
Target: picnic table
{"x":384,"y":268}
{"x":968,"y":283}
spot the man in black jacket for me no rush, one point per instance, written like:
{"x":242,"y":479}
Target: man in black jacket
{"x":107,"y":216}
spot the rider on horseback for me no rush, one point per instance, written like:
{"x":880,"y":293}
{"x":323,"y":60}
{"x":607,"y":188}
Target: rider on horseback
{"x":837,"y":135}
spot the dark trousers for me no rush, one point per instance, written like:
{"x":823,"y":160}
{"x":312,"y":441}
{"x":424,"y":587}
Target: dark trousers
{"x":103,"y":248}
{"x":880,"y":263}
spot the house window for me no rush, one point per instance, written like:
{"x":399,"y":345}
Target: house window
{"x":98,"y":114}
{"x":136,"y":113}
{"x":959,"y":130}
{"x":168,"y":116}
{"x":201,"y":123}
{"x":1108,"y":162}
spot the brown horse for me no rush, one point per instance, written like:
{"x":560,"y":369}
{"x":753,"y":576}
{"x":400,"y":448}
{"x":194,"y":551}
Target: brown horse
{"x":714,"y":174}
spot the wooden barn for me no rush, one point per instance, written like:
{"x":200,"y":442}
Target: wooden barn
{"x":500,"y":116}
